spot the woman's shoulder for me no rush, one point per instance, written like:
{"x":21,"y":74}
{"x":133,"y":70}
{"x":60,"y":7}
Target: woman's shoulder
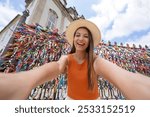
{"x":64,"y":58}
{"x":96,"y":64}
{"x":63,"y":62}
{"x":95,"y":56}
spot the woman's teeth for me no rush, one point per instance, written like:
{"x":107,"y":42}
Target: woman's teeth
{"x":81,"y":44}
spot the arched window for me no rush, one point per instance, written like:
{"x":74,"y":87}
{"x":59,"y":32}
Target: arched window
{"x":52,"y":19}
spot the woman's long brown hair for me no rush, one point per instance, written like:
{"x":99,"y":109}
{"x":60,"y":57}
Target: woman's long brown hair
{"x":89,"y":51}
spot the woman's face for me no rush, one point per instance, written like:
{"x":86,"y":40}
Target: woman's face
{"x":81,"y":39}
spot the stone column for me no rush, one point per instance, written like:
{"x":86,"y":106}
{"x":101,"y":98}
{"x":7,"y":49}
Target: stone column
{"x":37,"y":13}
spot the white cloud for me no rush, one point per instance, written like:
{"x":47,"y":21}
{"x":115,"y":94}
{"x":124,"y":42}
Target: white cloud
{"x":125,"y":16}
{"x":144,"y":40}
{"x":7,"y":13}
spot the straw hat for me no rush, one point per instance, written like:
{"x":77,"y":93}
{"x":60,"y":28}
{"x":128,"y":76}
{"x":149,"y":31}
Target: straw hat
{"x":83,"y":23}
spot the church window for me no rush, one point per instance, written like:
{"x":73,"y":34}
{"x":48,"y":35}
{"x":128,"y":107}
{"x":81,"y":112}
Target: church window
{"x":52,"y":19}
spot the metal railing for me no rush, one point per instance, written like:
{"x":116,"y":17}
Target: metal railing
{"x":57,"y":90}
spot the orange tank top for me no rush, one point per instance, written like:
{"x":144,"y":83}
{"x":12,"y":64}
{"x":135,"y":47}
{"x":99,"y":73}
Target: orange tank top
{"x":78,"y":81}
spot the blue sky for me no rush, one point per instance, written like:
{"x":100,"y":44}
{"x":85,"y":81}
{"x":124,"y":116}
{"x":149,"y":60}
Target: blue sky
{"x":126,"y":21}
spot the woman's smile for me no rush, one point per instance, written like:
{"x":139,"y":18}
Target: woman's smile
{"x":80,"y":43}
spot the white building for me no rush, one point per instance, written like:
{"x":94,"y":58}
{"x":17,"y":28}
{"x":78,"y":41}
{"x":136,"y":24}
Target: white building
{"x":47,"y":13}
{"x":51,"y":13}
{"x":7,"y":32}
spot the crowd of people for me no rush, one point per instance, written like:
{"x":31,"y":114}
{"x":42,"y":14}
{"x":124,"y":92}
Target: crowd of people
{"x":34,"y":46}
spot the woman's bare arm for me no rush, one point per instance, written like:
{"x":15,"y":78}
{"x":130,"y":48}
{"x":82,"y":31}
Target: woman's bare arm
{"x":19,"y":85}
{"x":132,"y":85}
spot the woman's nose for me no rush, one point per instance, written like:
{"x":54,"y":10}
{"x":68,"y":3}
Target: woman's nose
{"x":81,"y":38}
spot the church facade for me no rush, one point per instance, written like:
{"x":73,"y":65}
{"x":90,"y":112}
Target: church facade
{"x":51,"y":14}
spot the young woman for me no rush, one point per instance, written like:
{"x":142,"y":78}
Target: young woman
{"x":82,"y":67}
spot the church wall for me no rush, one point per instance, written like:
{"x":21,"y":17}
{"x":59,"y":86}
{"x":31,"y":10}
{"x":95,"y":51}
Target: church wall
{"x":42,"y":17}
{"x":7,"y":32}
{"x":32,"y":8}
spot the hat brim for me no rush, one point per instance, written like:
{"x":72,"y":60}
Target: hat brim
{"x":83,"y":23}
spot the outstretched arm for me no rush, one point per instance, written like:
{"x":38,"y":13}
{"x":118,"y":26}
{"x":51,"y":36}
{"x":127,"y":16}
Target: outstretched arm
{"x":132,"y":85}
{"x":19,"y":85}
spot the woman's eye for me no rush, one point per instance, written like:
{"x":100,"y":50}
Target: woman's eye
{"x":86,"y":36}
{"x":77,"y":35}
